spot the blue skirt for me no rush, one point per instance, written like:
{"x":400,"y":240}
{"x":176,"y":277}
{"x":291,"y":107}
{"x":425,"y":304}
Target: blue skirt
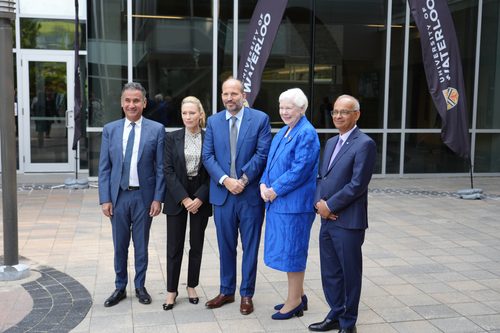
{"x":287,"y":240}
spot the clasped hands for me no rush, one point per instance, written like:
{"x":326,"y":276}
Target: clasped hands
{"x":192,"y":205}
{"x":267,"y":193}
{"x":235,"y":186}
{"x":324,"y":211}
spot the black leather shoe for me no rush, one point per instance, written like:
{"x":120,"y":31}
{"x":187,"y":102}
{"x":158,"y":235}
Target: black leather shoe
{"x":143,"y":295}
{"x":348,"y":330}
{"x":325,"y":325}
{"x":114,"y":299}
{"x":193,"y":300}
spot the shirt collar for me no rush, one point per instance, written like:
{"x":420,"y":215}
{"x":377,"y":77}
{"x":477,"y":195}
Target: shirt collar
{"x":238,"y":116}
{"x":345,"y":136}
{"x":137,"y":123}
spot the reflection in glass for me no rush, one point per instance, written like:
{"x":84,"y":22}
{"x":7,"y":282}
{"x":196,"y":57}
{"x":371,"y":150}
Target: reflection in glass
{"x":107,"y":60}
{"x":350,"y":58}
{"x":421,"y":111}
{"x":48,"y":101}
{"x":52,"y":7}
{"x":172,"y":58}
{"x":426,"y":153}
{"x":487,"y":157}
{"x":488,"y":101}
{"x":51,"y":34}
{"x":16,"y":111}
{"x":393,"y":153}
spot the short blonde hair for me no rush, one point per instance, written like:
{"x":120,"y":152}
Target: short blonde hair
{"x":196,"y":101}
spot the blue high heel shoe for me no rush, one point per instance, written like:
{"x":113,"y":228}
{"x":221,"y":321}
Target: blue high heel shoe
{"x":298,"y":311}
{"x":304,"y":301}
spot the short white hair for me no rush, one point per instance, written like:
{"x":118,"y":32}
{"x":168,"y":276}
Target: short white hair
{"x":297,"y":96}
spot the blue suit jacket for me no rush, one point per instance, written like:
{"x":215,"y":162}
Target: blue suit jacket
{"x":292,"y":168}
{"x":254,"y":139}
{"x":149,"y":162}
{"x":344,"y":186}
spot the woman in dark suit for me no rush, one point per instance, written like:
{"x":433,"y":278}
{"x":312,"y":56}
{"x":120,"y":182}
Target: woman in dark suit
{"x":287,"y":186}
{"x":187,"y":192}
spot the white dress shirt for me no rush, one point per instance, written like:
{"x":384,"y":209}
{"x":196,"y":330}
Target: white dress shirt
{"x":134,"y":177}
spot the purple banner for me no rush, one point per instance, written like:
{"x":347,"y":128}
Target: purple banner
{"x":443,"y":69}
{"x":259,"y":40}
{"x":78,"y":96}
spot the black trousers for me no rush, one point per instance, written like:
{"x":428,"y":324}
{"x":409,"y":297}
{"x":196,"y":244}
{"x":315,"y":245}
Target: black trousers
{"x":176,"y":234}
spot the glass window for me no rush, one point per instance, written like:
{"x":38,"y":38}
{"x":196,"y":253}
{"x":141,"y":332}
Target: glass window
{"x":395,"y":105}
{"x":16,"y":110}
{"x":172,"y":57}
{"x":393,"y":153}
{"x":350,"y":58}
{"x":426,"y":153}
{"x":107,"y":60}
{"x":289,"y":62}
{"x":488,"y":101}
{"x":52,"y":7}
{"x":487,"y":158}
{"x":421,"y":111}
{"x":51,"y":34}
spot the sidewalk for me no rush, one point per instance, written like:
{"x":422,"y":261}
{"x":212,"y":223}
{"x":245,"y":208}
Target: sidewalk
{"x":431,"y":264}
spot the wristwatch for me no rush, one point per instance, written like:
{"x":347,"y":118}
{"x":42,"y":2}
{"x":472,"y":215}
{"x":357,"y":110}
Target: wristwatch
{"x":244,"y":180}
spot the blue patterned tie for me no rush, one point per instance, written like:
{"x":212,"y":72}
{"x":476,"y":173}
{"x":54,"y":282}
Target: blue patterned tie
{"x":128,"y":158}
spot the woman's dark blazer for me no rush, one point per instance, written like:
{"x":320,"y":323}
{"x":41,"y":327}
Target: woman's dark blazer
{"x":174,"y":169}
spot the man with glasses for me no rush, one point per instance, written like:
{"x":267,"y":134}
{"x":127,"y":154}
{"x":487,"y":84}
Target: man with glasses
{"x":341,"y":199}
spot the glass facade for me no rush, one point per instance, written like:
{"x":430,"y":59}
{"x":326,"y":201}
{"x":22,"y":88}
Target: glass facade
{"x":367,"y":48}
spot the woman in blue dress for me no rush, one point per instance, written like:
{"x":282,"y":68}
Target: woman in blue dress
{"x":287,"y":186}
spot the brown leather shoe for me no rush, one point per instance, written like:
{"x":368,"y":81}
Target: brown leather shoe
{"x":246,"y":305}
{"x":219,"y":301}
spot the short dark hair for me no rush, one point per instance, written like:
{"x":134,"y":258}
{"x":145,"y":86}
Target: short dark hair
{"x":134,"y":86}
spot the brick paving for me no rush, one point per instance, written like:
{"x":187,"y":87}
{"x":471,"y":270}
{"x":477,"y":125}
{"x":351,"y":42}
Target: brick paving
{"x":431,"y":264}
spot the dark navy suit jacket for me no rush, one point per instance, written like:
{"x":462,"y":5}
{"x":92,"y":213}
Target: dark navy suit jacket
{"x":344,"y":186}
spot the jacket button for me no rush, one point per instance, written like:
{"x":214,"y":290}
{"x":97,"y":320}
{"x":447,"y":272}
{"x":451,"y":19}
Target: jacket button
{"x":324,"y":178}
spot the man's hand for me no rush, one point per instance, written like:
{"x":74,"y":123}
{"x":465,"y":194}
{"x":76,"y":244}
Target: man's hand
{"x":235,"y":186}
{"x":107,"y":209}
{"x":324,"y":211}
{"x":155,"y":209}
{"x":192,"y":205}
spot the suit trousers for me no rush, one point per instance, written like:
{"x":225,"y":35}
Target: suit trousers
{"x":230,"y":217}
{"x":130,"y":218}
{"x":341,"y":271}
{"x":176,"y":234}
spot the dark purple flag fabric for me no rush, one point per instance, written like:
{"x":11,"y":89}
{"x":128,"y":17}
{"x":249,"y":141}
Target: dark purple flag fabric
{"x":78,"y":97}
{"x":443,"y":69}
{"x":258,"y":43}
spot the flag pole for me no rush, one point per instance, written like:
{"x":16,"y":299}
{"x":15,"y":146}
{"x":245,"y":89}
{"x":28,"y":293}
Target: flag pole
{"x":470,"y":168}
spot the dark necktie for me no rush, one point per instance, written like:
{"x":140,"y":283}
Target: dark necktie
{"x":233,"y":141}
{"x":128,"y":158}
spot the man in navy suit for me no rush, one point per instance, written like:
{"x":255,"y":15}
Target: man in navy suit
{"x":131,"y":186}
{"x":235,"y":152}
{"x":341,"y":199}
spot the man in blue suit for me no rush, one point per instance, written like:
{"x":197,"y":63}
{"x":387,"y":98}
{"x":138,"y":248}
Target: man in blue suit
{"x":341,"y":199}
{"x":235,"y":153}
{"x":131,"y":186}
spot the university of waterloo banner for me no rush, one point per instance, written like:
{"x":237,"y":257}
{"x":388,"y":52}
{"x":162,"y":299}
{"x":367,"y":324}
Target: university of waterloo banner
{"x":258,"y":43}
{"x":443,"y":69}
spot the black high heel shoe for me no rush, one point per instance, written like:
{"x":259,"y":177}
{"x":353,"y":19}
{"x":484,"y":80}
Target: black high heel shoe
{"x":193,"y":300}
{"x":167,"y":307}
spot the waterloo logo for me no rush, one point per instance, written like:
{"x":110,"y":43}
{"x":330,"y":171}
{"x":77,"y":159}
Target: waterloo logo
{"x":451,"y":96}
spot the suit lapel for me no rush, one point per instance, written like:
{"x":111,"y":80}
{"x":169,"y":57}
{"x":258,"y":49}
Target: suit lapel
{"x":290,"y":138}
{"x":120,"y":129}
{"x":351,"y":140}
{"x":144,"y":135}
{"x":201,"y":153}
{"x":245,"y":125}
{"x":179,"y":145}
{"x":224,"y":130}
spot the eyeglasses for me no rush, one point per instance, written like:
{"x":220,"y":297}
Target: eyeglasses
{"x":342,"y":112}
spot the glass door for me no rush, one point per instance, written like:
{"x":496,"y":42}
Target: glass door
{"x":47,"y":114}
